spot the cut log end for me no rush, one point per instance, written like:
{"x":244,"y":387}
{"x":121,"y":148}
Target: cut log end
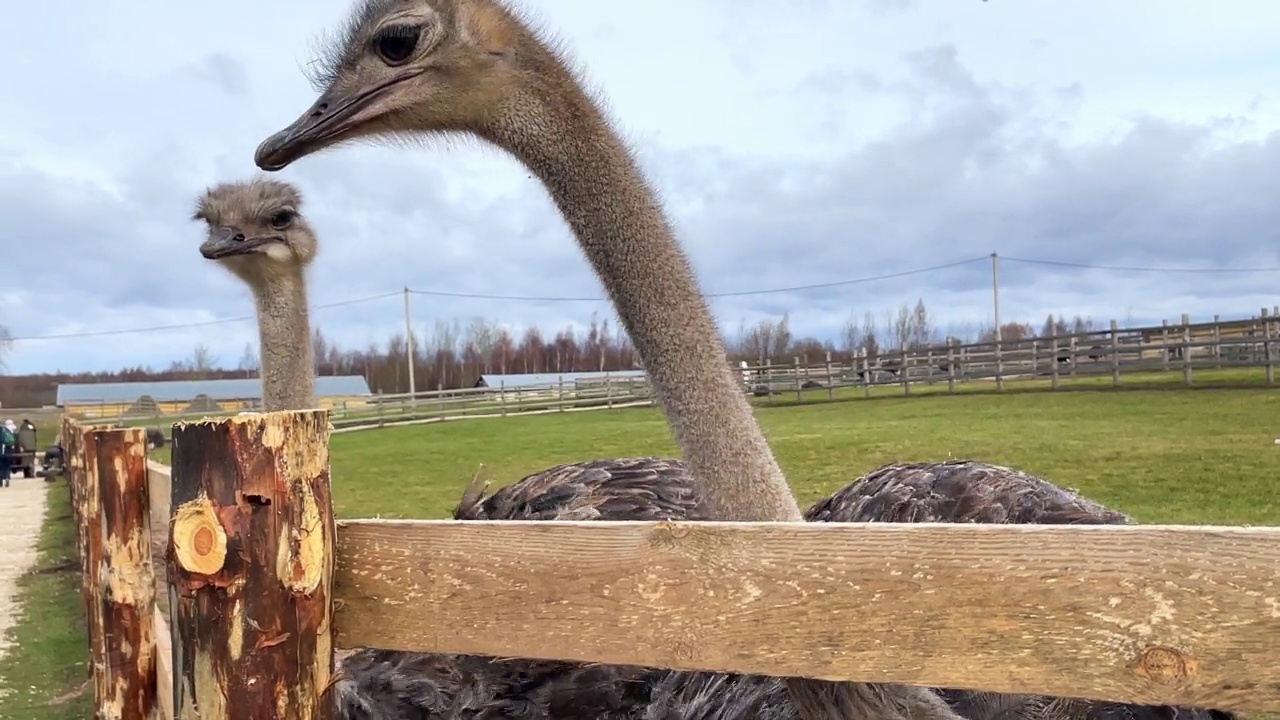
{"x":198,"y":538}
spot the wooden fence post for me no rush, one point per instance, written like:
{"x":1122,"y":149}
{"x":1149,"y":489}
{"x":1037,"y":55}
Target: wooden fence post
{"x":125,"y":590}
{"x":1053,"y":363}
{"x":902,"y":369}
{"x":1115,"y":354}
{"x":1267,"y":352}
{"x":250,"y":563}
{"x":560,"y":400}
{"x":951,"y":365}
{"x":1075,"y":348}
{"x":831,"y":383}
{"x":85,"y":504}
{"x":866,"y":373}
{"x":1217,"y":340}
{"x":502,"y":396}
{"x":1186,"y":349}
{"x":795,"y":364}
{"x":1164,"y":345}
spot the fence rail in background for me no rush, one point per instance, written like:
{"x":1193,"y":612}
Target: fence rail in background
{"x":1150,"y":614}
{"x":1185,"y":347}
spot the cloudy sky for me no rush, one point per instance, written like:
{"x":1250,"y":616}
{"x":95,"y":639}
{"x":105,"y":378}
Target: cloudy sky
{"x":829,"y":142}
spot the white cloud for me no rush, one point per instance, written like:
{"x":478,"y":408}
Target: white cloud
{"x":820,"y":143}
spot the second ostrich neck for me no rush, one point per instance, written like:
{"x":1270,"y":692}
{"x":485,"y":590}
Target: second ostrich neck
{"x":619,"y":224}
{"x":284,"y":332}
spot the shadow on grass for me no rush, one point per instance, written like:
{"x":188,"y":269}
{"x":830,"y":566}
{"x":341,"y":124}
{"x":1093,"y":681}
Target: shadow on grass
{"x":44,"y":673}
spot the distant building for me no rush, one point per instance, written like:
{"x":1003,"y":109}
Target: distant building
{"x":172,"y":397}
{"x":548,"y":380}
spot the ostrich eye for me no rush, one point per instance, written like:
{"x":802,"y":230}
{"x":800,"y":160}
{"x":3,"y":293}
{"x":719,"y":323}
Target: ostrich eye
{"x":396,"y":43}
{"x":282,"y":219}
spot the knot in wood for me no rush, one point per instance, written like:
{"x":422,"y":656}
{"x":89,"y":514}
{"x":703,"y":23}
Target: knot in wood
{"x":199,"y":540}
{"x":667,"y":535}
{"x":1164,"y":665}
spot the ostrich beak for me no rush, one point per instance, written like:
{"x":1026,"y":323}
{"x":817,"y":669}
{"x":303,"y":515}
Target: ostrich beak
{"x":227,"y":242}
{"x":330,"y":119}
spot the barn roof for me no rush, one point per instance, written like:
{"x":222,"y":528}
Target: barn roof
{"x":179,"y":390}
{"x":544,"y":379}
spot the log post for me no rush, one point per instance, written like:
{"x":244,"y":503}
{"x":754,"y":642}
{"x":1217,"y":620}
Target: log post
{"x":124,"y":591}
{"x":250,"y":566}
{"x":85,"y":503}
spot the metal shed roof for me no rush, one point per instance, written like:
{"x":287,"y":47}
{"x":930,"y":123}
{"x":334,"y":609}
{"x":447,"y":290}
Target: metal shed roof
{"x":181,"y":390}
{"x":544,"y":379}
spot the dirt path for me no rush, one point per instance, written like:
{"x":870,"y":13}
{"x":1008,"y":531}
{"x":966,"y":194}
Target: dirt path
{"x":21,"y":514}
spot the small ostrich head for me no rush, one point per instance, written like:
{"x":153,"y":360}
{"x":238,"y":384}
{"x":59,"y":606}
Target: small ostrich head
{"x":403,"y":67}
{"x":256,"y":229}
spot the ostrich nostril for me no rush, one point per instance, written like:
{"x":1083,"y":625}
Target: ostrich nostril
{"x":239,"y":237}
{"x":320,"y":110}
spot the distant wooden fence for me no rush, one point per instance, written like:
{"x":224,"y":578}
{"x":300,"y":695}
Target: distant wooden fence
{"x":262,"y":584}
{"x":1184,"y":347}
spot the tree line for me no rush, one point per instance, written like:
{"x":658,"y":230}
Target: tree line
{"x":454,"y":353}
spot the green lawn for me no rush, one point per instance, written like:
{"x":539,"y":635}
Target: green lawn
{"x":1174,"y":457}
{"x":1166,"y":456}
{"x":1163,"y":455}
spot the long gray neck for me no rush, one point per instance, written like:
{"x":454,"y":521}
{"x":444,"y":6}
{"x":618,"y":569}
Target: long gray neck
{"x":621,"y":228}
{"x":284,"y":332}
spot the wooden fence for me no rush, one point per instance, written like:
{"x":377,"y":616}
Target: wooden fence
{"x":1185,"y":348}
{"x":261,"y":585}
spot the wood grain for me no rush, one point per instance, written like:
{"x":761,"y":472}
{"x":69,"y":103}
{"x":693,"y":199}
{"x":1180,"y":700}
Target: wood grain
{"x":1147,"y":614}
{"x":249,"y":587}
{"x":123,"y":591}
{"x":164,"y":668}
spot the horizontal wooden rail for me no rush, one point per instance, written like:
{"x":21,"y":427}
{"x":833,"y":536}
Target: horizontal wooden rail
{"x":1148,"y":614}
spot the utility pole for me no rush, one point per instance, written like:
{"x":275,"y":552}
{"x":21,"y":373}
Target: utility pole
{"x":408,"y":345}
{"x":995,"y":302}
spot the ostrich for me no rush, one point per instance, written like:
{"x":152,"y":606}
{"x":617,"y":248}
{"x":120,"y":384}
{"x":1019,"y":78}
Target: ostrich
{"x":423,"y":67}
{"x":257,"y":232}
{"x":437,"y":66}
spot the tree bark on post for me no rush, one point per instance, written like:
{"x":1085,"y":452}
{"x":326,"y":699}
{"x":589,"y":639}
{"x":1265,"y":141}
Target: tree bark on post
{"x":85,"y":505}
{"x":250,"y":564}
{"x":124,"y":593}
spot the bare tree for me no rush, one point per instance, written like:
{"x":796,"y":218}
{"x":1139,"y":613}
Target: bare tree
{"x":902,"y":326}
{"x":921,"y":332}
{"x":851,"y":336}
{"x":870,"y":338}
{"x":202,"y":360}
{"x":249,"y":360}
{"x":1083,"y":324}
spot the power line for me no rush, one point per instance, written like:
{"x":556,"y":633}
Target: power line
{"x":1130,"y":268}
{"x":738,"y":293}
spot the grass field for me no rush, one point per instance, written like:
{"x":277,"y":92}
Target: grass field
{"x":1198,"y":457}
{"x":1165,"y":456}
